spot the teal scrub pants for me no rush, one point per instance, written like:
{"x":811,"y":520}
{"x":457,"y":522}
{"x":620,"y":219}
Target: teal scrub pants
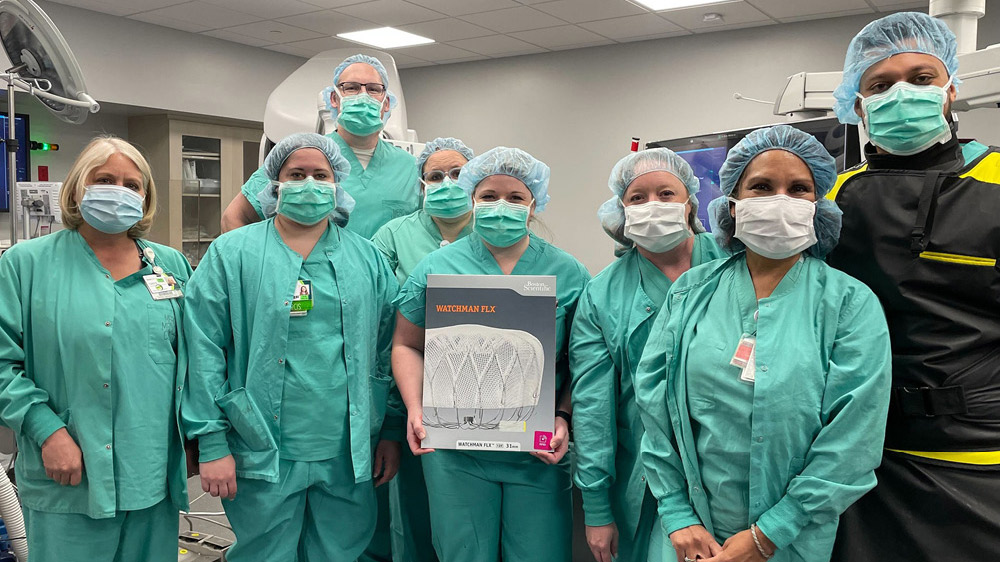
{"x":379,"y":548}
{"x":659,"y":546}
{"x":411,"y":524}
{"x":148,"y":534}
{"x":482,"y":508}
{"x":647,"y":544}
{"x":314,"y":513}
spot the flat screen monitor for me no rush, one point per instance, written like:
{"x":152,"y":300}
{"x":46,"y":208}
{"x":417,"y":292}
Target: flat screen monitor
{"x":706,"y":153}
{"x":22,"y":130}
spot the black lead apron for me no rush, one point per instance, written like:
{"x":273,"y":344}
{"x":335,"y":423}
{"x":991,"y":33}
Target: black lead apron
{"x":924,"y":233}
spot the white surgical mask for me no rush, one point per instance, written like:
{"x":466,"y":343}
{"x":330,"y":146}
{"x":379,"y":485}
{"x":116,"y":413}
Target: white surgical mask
{"x":656,"y":226}
{"x":777,"y":226}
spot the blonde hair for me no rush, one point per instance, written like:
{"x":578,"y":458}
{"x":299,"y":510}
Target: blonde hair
{"x":93,"y":156}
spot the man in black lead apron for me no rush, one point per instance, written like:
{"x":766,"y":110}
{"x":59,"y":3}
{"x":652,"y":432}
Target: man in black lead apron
{"x":921,"y":227}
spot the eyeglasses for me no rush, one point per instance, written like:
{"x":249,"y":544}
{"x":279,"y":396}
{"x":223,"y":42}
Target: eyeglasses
{"x":437,"y":176}
{"x":354,"y":88}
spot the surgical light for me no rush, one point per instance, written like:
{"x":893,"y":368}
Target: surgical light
{"x":385,"y":38}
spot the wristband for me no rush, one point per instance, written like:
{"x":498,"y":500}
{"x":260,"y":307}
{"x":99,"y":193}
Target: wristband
{"x":756,"y":542}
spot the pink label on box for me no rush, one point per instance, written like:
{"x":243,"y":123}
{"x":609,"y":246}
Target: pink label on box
{"x":543,"y":440}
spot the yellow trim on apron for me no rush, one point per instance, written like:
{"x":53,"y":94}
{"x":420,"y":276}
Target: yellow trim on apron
{"x":958,"y":258}
{"x":962,"y":457}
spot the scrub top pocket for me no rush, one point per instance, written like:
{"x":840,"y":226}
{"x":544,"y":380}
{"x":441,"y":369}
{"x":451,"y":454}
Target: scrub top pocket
{"x":162,"y":332}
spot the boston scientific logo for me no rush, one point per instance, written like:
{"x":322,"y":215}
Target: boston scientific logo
{"x":533,"y":287}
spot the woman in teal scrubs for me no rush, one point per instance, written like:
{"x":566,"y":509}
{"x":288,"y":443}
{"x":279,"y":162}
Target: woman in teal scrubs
{"x":653,"y":217}
{"x":91,"y":369}
{"x":288,"y":387}
{"x":764,"y":384}
{"x":445,"y":217}
{"x":485,"y":504}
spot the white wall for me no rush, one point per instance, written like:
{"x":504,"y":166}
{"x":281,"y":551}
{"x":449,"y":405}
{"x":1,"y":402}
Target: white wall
{"x":135,"y":63}
{"x":576,"y":110}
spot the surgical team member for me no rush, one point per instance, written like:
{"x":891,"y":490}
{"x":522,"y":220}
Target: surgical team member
{"x":445,"y":217}
{"x":921,"y":229}
{"x":764,"y":383}
{"x":287,"y":391}
{"x":653,"y":214}
{"x":383,"y":178}
{"x":91,"y":369}
{"x":488,"y":503}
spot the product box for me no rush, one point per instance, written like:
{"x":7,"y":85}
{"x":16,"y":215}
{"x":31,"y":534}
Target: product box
{"x":489,"y":362}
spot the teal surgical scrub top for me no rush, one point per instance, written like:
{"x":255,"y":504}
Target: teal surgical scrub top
{"x":818,"y":404}
{"x":407,"y":240}
{"x":609,"y":332}
{"x":315,"y":372}
{"x":388,"y":188}
{"x":238,"y":324}
{"x":100,"y":358}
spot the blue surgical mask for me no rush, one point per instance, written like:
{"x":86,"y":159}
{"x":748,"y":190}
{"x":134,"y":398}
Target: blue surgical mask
{"x":360,"y":114}
{"x":907,"y":119}
{"x":307,"y":201}
{"x":446,"y":200}
{"x":112,"y":209}
{"x":500,"y":223}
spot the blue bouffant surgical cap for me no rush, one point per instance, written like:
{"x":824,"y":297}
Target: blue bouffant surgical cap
{"x":905,"y":32}
{"x":824,"y":172}
{"x":612,"y":212}
{"x":442,"y":143}
{"x":513,"y":162}
{"x":365,"y":59}
{"x":780,"y":137}
{"x":281,"y":151}
{"x":268,"y":197}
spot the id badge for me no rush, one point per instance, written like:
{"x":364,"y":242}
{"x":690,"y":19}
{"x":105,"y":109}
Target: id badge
{"x":750,"y":369}
{"x":162,"y":286}
{"x":302,"y":300}
{"x":744,"y":351}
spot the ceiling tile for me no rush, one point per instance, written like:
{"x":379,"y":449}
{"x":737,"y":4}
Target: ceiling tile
{"x":237,"y":38}
{"x":562,"y":36}
{"x":165,"y":21}
{"x":320,"y":44}
{"x":521,"y":18}
{"x":327,"y":22}
{"x":632,"y":26}
{"x":530,"y":2}
{"x":577,"y":11}
{"x":391,"y":12}
{"x":268,"y":9}
{"x":274,"y":32}
{"x":208,"y":15}
{"x":462,"y":7}
{"x":889,"y":5}
{"x":733,"y":13}
{"x":497,"y":45}
{"x":865,"y":10}
{"x":329,"y":4}
{"x":783,"y":9}
{"x":450,"y":29}
{"x":655,"y":36}
{"x":120,"y":8}
{"x":435,"y":52}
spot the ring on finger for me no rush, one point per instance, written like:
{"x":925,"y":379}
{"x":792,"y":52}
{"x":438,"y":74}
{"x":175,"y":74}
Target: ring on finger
{"x":686,"y":559}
